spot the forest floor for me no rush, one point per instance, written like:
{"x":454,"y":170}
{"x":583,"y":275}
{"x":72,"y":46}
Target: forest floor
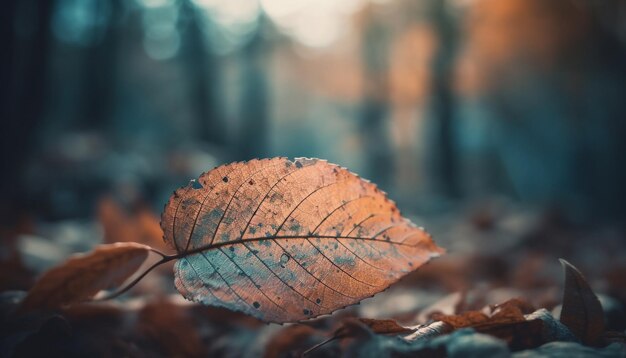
{"x":498,"y":291}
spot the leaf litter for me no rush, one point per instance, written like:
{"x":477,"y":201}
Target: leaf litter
{"x":477,"y":301}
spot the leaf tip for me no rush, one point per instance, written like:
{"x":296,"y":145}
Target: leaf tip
{"x":568,"y":266}
{"x":581,"y":310}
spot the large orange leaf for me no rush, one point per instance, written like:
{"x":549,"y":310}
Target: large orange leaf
{"x":285,"y":241}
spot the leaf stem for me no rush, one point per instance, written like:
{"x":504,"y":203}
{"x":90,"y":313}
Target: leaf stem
{"x":317,"y":346}
{"x":164,"y":258}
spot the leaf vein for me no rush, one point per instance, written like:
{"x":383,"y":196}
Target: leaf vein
{"x":233,"y":197}
{"x":277,"y":276}
{"x":263,"y":200}
{"x":251,"y":280}
{"x":341,"y":243}
{"x":174,"y":219}
{"x":209,"y":290}
{"x":312,"y":275}
{"x":223,"y":279}
{"x":195,"y":221}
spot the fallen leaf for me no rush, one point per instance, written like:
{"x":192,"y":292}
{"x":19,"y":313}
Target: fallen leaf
{"x":507,"y":312}
{"x":139,"y":225}
{"x":353,"y":327}
{"x":82,"y":276}
{"x":288,"y":342}
{"x":378,"y":326}
{"x":512,"y":310}
{"x":518,"y":335}
{"x":581,"y":312}
{"x":552,"y":330}
{"x":285,"y":241}
{"x":448,"y":305}
{"x":170,"y":327}
{"x":465,"y":319}
{"x":105,"y":314}
{"x":428,"y":331}
{"x":506,"y":321}
{"x":519,"y":304}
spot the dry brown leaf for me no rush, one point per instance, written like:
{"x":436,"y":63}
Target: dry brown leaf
{"x":552,"y":330}
{"x":82,"y":276}
{"x":141,"y":225}
{"x":514,"y":306}
{"x":170,"y":327}
{"x":378,"y":326}
{"x":353,"y":327}
{"x":465,"y":319}
{"x":428,"y":331}
{"x":506,"y":322}
{"x":448,"y":305}
{"x":510,"y":311}
{"x":288,"y":341}
{"x":288,"y":240}
{"x":517,"y":334}
{"x":582,"y":312}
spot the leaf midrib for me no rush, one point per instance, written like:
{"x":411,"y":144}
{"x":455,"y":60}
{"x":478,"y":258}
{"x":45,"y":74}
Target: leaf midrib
{"x":261,"y":238}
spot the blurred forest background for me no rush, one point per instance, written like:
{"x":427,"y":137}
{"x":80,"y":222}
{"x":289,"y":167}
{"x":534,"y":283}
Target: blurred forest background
{"x":439,"y":102}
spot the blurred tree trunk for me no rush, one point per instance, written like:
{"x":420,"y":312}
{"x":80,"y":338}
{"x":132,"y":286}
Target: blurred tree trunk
{"x":24,"y":62}
{"x":375,"y":107}
{"x":100,"y":69}
{"x":444,"y":101}
{"x":200,"y":68}
{"x":254,"y":101}
{"x":7,"y":56}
